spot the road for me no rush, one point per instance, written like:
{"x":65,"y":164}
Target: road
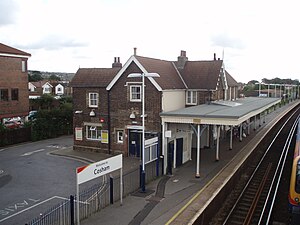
{"x":32,"y":180}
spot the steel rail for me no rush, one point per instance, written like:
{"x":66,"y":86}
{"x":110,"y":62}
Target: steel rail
{"x":257,"y":196}
{"x":258,"y":165}
{"x":280,"y":167}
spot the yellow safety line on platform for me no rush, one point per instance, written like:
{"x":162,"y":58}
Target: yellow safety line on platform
{"x":190,"y":201}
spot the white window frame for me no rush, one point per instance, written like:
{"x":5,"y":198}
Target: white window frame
{"x":47,"y":90}
{"x":93,"y":133}
{"x":151,"y":153}
{"x":191,"y":97}
{"x":93,"y":99}
{"x":24,"y":66}
{"x":120,"y":136}
{"x":132,"y":93}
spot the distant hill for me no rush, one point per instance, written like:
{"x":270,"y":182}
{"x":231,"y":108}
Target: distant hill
{"x":63,"y":76}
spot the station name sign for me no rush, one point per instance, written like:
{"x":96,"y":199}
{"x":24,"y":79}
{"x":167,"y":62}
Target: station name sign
{"x":89,"y":172}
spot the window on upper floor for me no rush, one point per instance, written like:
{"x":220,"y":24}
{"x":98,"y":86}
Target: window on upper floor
{"x":135,"y":93}
{"x":191,"y":97}
{"x":47,"y":90}
{"x":24,"y":66}
{"x":93,"y":99}
{"x":15,"y":94}
{"x":3,"y":94}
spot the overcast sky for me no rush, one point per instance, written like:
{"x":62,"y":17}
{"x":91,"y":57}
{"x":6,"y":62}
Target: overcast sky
{"x":259,"y":38}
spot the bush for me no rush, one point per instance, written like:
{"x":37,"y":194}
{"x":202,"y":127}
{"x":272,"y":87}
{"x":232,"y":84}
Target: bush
{"x":53,"y":123}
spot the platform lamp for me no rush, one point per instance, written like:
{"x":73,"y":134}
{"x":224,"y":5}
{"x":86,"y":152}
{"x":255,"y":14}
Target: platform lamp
{"x":143,"y":75}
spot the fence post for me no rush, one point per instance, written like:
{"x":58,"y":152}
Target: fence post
{"x":72,"y":213}
{"x":140,"y":176}
{"x":162,"y":164}
{"x":111,"y":187}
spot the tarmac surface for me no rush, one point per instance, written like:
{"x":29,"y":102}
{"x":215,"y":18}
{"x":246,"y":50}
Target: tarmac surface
{"x":168,"y":194}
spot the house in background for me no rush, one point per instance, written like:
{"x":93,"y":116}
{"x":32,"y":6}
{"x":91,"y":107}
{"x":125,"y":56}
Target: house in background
{"x":108,"y":104}
{"x":14,"y":101}
{"x":54,"y":88}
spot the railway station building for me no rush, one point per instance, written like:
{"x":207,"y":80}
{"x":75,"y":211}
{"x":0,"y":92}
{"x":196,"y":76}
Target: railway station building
{"x":191,"y":105}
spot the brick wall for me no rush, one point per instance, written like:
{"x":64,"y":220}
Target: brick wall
{"x":11,"y":76}
{"x":121,"y":108}
{"x":80,"y":103}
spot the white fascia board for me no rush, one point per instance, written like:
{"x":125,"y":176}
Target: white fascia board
{"x":129,"y":61}
{"x":179,"y":75}
{"x":151,"y":79}
{"x":31,"y":84}
{"x":224,"y":71}
{"x":119,"y":74}
{"x":14,"y":55}
{"x":47,"y":84}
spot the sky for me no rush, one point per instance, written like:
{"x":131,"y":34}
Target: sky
{"x":256,"y":38}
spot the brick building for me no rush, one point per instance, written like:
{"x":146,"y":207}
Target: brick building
{"x":91,"y":107}
{"x":14,"y":100}
{"x":108,"y":104}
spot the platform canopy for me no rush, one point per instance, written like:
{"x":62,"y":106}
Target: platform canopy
{"x":221,"y":112}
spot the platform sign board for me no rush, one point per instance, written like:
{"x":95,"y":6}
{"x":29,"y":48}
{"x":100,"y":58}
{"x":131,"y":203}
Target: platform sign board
{"x":92,"y":171}
{"x":98,"y":169}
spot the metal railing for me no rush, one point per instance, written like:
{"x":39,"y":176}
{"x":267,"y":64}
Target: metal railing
{"x":95,"y":198}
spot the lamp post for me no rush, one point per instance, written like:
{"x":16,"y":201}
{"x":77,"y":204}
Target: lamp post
{"x":143,"y":75}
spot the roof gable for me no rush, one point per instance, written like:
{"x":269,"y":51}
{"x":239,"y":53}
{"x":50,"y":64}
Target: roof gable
{"x":47,"y":84}
{"x":169,"y":76}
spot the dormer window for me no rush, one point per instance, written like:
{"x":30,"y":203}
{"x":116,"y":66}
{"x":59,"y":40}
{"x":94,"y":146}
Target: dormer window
{"x":191,"y":97}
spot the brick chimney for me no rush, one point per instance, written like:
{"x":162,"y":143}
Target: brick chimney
{"x":116,"y":63}
{"x":181,"y":60}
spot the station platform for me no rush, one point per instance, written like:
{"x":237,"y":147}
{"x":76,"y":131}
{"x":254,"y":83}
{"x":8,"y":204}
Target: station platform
{"x":180,"y":197}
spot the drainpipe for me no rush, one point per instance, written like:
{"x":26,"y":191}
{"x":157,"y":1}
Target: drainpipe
{"x":108,"y":122}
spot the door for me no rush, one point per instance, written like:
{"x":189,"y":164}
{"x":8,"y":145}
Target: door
{"x":170,"y":157}
{"x":179,"y":151}
{"x":134,"y":143}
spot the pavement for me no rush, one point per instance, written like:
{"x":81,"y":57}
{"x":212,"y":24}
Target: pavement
{"x":166,"y":195}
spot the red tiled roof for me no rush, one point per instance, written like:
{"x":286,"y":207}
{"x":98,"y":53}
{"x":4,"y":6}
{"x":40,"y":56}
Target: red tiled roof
{"x":10,"y":50}
{"x":169,"y":77}
{"x":202,"y":74}
{"x":93,"y":77}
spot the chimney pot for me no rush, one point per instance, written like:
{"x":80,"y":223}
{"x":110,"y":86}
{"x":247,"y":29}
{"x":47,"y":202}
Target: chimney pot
{"x":215,"y":56}
{"x":183,"y":53}
{"x":134,"y":51}
{"x":116,"y":63}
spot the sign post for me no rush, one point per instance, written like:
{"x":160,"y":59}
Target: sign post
{"x":97,"y":169}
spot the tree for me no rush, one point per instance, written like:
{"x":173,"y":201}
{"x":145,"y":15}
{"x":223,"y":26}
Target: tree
{"x":54,"y":77}
{"x":34,"y":76}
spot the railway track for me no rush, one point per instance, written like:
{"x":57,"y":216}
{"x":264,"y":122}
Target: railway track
{"x":256,"y":200}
